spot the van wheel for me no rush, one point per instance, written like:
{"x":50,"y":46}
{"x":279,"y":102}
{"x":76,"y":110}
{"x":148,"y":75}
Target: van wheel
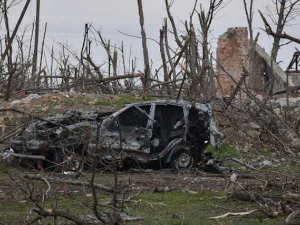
{"x":182,"y":160}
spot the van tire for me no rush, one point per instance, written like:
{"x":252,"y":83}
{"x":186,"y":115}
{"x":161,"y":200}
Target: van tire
{"x":182,"y":160}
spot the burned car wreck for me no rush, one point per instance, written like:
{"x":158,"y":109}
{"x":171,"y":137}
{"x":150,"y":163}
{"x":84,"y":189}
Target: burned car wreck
{"x":171,"y":133}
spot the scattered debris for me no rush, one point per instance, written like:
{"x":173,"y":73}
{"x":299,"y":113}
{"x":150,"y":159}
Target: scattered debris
{"x":292,"y":216}
{"x":234,"y":214}
{"x":266,"y":163}
{"x":24,"y":100}
{"x":291,"y":197}
{"x":67,"y":181}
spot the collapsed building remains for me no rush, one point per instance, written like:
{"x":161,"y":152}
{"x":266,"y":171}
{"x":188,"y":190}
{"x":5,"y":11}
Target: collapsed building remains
{"x":294,"y":68}
{"x":233,"y":54}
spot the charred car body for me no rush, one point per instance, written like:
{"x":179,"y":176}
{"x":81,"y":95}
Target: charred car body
{"x":169,"y":132}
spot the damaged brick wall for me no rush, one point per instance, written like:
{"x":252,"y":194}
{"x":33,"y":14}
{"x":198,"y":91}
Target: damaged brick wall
{"x":233,"y":53}
{"x":233,"y":48}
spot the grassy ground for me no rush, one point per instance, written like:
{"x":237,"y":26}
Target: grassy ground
{"x":183,"y":204}
{"x":194,"y":208}
{"x":158,"y":208}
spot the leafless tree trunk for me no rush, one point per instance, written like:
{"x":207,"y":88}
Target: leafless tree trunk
{"x":173,"y":68}
{"x":51,"y":67}
{"x":191,"y":57}
{"x":206,"y":20}
{"x":115,"y":70}
{"x":173,"y":24}
{"x":42,"y":53}
{"x":145,"y":49}
{"x":16,"y":28}
{"x":285,"y":14}
{"x":30,"y":44}
{"x":8,"y":52}
{"x":164,"y":61}
{"x":108,"y":55}
{"x":123,"y":62}
{"x":87,"y":50}
{"x":249,"y":15}
{"x":36,"y":39}
{"x":286,"y":11}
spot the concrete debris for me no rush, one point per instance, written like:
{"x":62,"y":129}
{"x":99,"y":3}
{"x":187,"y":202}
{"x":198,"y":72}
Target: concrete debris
{"x":266,"y":163}
{"x":25,"y":100}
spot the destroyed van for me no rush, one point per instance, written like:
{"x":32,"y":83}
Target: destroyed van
{"x":171,"y":133}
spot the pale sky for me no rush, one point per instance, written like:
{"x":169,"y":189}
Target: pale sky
{"x":66,"y":19}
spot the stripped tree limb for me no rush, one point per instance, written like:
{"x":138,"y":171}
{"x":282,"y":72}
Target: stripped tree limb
{"x":173,"y":24}
{"x":234,"y":214}
{"x":145,"y":49}
{"x":59,"y":213}
{"x":25,"y":156}
{"x":163,"y":58}
{"x":180,"y":55}
{"x":71,"y":182}
{"x":269,"y":31}
{"x":292,"y":216}
{"x":16,"y":29}
{"x":284,"y":90}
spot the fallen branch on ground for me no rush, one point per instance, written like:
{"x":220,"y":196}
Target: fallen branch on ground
{"x":24,"y":156}
{"x":71,"y":182}
{"x":234,"y":214}
{"x":291,"y":197}
{"x":292,"y":216}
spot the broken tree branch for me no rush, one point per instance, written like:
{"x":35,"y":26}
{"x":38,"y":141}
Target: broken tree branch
{"x":234,"y":214}
{"x":145,"y":49}
{"x":269,"y":31}
{"x":16,"y":29}
{"x":71,"y":182}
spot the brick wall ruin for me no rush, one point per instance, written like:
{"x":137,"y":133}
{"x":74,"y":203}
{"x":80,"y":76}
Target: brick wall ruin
{"x":233,"y":47}
{"x":233,"y":53}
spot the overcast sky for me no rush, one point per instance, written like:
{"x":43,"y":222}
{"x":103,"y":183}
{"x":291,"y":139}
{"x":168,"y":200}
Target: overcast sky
{"x":66,"y":19}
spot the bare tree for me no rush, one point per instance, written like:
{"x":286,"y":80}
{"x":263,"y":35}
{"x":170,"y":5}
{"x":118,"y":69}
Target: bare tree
{"x":285,"y":12}
{"x":164,"y":61}
{"x":145,"y":49}
{"x":10,"y":68}
{"x":283,"y":35}
{"x":198,"y":69}
{"x":253,"y":78}
{"x":115,"y":69}
{"x":206,"y":19}
{"x":36,"y":39}
{"x":16,"y":27}
{"x":249,"y":14}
